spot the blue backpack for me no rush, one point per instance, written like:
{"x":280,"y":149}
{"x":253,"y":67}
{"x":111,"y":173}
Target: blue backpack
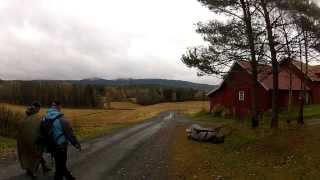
{"x":46,"y":140}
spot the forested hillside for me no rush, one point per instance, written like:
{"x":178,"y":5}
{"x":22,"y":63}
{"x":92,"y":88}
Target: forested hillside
{"x":92,"y":95}
{"x":132,"y":82}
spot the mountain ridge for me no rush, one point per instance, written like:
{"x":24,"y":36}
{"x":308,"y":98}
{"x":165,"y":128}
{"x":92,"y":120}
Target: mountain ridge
{"x":152,"y":81}
{"x":131,"y":82}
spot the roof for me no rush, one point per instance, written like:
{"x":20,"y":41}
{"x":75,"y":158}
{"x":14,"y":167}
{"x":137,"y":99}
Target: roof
{"x":284,"y":81}
{"x":263,"y":70}
{"x":313,"y":71}
{"x":265,"y":77}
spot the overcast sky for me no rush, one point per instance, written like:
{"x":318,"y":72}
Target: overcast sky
{"x":75,"y":39}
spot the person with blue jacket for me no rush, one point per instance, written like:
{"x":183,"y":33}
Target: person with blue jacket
{"x":63,"y":135}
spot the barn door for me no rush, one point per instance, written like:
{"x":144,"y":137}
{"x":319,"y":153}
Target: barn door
{"x":242,"y":101}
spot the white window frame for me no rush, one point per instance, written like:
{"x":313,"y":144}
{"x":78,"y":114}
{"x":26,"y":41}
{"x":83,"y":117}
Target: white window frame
{"x":241,"y":96}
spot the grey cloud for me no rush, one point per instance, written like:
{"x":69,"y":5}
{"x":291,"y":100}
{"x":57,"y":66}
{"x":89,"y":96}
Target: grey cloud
{"x":36,"y":44}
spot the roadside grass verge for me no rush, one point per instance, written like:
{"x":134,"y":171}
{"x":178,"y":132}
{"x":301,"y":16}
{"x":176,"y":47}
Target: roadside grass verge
{"x":87,"y":133}
{"x":7,"y":146}
{"x":310,"y":112}
{"x":248,"y":154}
{"x":291,"y":152}
{"x":205,"y":116}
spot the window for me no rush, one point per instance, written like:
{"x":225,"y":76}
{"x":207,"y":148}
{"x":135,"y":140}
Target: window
{"x":241,"y":95}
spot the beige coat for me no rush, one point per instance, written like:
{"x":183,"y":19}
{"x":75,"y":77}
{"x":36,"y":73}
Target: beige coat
{"x":28,"y":152}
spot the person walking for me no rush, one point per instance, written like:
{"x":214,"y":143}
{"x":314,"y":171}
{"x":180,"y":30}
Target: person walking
{"x":62,"y":135}
{"x":29,"y":154}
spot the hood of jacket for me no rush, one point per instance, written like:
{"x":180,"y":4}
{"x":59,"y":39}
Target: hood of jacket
{"x":31,"y":110}
{"x":57,"y":127}
{"x":53,"y":113}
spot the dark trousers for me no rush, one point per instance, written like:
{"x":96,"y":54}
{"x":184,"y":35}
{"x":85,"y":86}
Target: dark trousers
{"x":43,"y":163}
{"x":60,"y":158}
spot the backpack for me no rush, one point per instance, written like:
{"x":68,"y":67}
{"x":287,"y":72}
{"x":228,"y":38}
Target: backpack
{"x":46,"y":140}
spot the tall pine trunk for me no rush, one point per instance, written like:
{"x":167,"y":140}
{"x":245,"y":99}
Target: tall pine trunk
{"x":275,"y":71}
{"x":290,"y":70}
{"x":300,"y":116}
{"x":304,"y":91}
{"x":253,"y":62}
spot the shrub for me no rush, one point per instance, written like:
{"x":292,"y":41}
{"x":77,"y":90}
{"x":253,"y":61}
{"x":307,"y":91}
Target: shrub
{"x":149,"y":98}
{"x":9,"y":121}
{"x":217,"y":110}
{"x":226,"y":113}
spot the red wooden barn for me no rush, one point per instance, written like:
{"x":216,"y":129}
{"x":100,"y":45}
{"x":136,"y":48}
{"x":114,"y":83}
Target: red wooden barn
{"x":234,"y":92}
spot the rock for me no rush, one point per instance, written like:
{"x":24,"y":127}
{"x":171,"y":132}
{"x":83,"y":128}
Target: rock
{"x":198,"y":133}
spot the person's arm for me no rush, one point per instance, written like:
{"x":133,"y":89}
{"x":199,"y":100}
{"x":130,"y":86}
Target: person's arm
{"x":69,"y":134}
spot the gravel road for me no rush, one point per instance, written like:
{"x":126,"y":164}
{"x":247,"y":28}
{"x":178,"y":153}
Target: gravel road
{"x":139,"y":152}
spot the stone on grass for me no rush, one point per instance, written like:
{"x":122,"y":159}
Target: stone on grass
{"x":198,"y":133}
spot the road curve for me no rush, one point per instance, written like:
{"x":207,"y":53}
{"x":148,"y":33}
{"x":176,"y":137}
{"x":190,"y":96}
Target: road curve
{"x":108,"y":157}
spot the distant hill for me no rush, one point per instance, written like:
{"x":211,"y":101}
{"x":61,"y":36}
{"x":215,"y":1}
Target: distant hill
{"x":132,"y":82}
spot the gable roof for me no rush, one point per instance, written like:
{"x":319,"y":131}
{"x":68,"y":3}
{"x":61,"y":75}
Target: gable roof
{"x":265,"y":77}
{"x":313,"y":71}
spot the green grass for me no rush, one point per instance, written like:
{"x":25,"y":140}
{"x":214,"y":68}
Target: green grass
{"x":287,"y":153}
{"x":205,"y":116}
{"x":290,"y":152}
{"x":6,"y":145}
{"x":310,"y":112}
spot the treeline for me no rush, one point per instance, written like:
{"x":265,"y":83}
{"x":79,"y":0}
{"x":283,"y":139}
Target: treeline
{"x":91,"y":96}
{"x":147,"y":95}
{"x":25,"y":92}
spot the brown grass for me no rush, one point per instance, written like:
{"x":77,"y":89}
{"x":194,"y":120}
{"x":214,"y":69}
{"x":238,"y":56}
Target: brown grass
{"x":89,"y":123}
{"x":7,"y":146}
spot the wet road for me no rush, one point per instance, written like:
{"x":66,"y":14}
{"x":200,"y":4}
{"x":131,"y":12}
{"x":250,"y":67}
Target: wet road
{"x":139,"y":152}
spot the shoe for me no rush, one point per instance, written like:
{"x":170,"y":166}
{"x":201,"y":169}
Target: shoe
{"x":31,"y":174}
{"x":70,"y":177}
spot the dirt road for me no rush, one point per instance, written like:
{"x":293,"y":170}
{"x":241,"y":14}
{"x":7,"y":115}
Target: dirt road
{"x":139,"y":152}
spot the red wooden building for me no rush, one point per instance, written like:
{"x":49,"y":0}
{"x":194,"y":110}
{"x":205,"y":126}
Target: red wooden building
{"x":234,"y":92}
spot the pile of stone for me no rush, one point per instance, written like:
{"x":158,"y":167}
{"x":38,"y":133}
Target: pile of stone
{"x":198,"y":133}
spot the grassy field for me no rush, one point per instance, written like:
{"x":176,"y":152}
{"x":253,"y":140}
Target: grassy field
{"x":292,"y":152}
{"x":7,"y":146}
{"x":90,"y":123}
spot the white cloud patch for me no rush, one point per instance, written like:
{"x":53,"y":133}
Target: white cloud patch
{"x":317,"y":1}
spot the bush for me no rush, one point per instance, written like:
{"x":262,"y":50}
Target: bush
{"x":217,"y":110}
{"x":9,"y":121}
{"x":221,"y":111}
{"x":226,"y":113}
{"x":149,"y":98}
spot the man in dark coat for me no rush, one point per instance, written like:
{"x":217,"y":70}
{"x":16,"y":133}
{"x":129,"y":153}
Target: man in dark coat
{"x":30,"y":155}
{"x":62,"y":134}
